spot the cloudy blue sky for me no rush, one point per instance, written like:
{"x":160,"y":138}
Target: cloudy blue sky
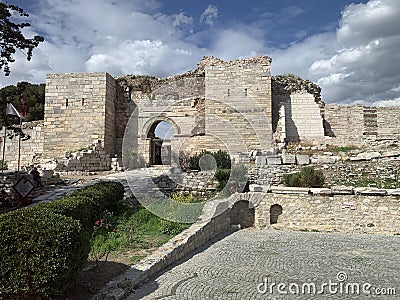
{"x":349,"y":47}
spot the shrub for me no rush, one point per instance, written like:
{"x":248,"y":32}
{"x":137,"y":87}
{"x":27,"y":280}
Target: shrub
{"x":222,"y":175}
{"x":307,"y":177}
{"x":104,"y":193}
{"x":181,"y":197}
{"x":222,"y":159}
{"x":42,"y":252}
{"x":45,"y":247}
{"x":80,"y":208}
{"x":237,"y":176}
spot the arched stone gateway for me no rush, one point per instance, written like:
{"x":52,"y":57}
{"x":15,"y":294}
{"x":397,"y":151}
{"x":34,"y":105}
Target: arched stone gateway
{"x":159,"y":135}
{"x":241,"y":214}
{"x":274,"y":212}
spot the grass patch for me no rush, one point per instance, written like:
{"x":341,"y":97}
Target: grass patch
{"x":131,"y":228}
{"x":342,"y":148}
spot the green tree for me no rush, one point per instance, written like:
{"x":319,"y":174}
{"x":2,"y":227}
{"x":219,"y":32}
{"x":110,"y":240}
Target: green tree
{"x":11,"y":37}
{"x":32,"y":94}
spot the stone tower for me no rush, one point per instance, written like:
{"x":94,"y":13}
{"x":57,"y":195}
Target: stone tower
{"x":79,"y":111}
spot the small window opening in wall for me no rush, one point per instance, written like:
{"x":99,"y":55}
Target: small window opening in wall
{"x":229,"y":92}
{"x":245,"y":92}
{"x":275,"y":211}
{"x":66,"y":102}
{"x":83,"y":101}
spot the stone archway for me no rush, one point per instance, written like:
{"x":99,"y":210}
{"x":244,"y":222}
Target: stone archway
{"x":160,"y":142}
{"x":274,"y":212}
{"x":241,"y":214}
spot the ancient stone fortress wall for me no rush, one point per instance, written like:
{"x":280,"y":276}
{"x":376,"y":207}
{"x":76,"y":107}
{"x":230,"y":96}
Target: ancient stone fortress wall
{"x":31,"y":149}
{"x":361,"y":125}
{"x":238,"y":103}
{"x":234,"y":105}
{"x":79,"y":111}
{"x":219,"y":105}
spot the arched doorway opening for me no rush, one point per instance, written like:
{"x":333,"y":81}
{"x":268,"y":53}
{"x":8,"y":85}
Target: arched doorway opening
{"x":241,"y":214}
{"x":160,"y":135}
{"x":274,"y":212}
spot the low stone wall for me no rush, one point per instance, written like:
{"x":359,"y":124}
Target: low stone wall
{"x":365,"y":211}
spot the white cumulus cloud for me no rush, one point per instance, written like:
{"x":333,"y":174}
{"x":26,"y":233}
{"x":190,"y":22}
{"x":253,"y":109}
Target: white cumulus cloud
{"x":209,"y":15}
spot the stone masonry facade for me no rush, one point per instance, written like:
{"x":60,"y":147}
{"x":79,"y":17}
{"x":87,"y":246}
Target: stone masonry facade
{"x":79,"y":111}
{"x":235,"y":106}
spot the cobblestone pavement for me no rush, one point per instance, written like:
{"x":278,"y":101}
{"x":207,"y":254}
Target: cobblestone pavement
{"x":246,"y":264}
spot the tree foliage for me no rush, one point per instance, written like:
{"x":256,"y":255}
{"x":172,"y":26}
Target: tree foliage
{"x":11,"y":37}
{"x":32,"y":94}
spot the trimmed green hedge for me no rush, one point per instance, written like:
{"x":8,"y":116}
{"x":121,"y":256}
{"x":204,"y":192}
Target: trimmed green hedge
{"x":43,"y":248}
{"x":41,"y":252}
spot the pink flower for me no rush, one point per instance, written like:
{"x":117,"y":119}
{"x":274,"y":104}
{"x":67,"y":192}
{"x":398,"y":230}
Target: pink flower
{"x":97,"y":222}
{"x":102,"y":220}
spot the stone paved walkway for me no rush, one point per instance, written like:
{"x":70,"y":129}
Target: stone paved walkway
{"x":140,"y":181}
{"x":246,"y":264}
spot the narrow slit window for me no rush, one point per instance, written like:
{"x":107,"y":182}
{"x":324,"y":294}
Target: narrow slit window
{"x":83,"y":101}
{"x":229,"y":92}
{"x":66,"y":102}
{"x":245,"y":92}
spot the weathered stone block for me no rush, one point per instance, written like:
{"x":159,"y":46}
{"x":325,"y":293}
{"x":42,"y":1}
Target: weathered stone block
{"x":255,"y":188}
{"x":369,"y":191}
{"x":321,"y":191}
{"x":366,"y":156}
{"x":324,"y":159}
{"x":274,"y":160}
{"x":261,"y":160}
{"x":289,"y":190}
{"x":303,"y":159}
{"x":288,"y":159}
{"x":342,"y":190}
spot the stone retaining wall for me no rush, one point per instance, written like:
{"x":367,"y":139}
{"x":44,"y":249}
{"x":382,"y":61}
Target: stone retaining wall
{"x":301,"y":211}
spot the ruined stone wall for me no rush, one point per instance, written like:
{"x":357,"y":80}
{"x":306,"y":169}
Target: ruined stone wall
{"x":124,"y":107}
{"x":178,"y":103}
{"x":79,"y":111}
{"x":301,"y":100}
{"x":238,"y":103}
{"x":361,"y":125}
{"x":31,"y":150}
{"x":344,"y":124}
{"x":388,"y":121}
{"x":303,"y":118}
{"x":372,"y":214}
